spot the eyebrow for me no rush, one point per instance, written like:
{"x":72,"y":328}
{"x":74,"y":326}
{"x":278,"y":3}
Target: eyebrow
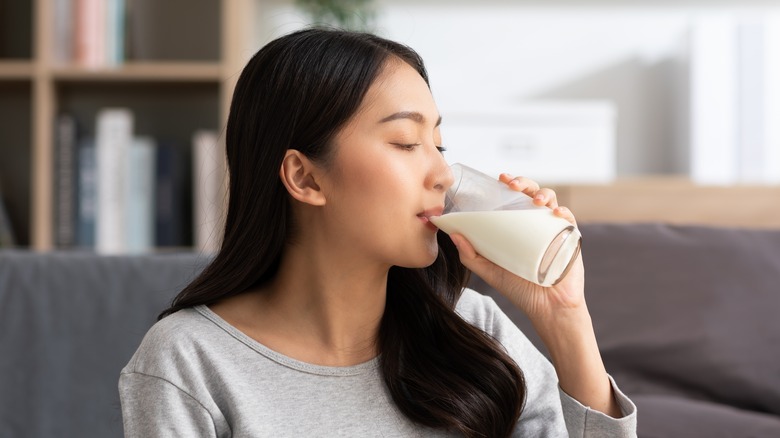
{"x":411,"y":115}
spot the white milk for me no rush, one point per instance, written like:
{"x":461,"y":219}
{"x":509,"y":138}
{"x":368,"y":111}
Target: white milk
{"x":516,"y":240}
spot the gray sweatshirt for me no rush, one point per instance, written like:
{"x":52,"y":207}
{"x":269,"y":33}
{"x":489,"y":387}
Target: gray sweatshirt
{"x":195,"y":375}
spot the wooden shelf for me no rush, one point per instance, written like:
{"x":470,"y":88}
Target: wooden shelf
{"x":143,"y":71}
{"x":13,"y":69}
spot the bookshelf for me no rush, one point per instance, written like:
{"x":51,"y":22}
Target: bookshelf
{"x":182,"y":58}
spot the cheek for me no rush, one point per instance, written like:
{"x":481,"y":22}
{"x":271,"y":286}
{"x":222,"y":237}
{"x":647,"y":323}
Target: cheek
{"x":377,"y":179}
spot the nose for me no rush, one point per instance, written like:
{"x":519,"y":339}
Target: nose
{"x":442,"y":174}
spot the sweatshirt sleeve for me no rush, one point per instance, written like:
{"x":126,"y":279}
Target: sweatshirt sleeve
{"x":582,"y":421}
{"x":154,"y":407}
{"x":548,"y":411}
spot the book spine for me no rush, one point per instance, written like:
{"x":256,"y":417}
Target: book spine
{"x":87,"y":194}
{"x":90,"y":33}
{"x":65,"y":214}
{"x":168,"y":211}
{"x":114,"y":136}
{"x":140,"y":196}
{"x":6,"y":230}
{"x":114,"y":31}
{"x":207,"y":188}
{"x":63,"y":31}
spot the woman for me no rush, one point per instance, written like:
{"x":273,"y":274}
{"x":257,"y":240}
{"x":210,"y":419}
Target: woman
{"x":334,"y":307}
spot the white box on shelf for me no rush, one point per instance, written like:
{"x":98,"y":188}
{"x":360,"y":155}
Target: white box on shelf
{"x":553,"y":142}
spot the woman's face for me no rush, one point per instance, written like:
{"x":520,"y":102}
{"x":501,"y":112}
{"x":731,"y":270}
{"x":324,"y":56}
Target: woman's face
{"x":387,"y":174}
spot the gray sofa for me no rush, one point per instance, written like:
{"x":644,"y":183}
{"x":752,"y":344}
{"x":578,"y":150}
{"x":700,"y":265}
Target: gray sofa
{"x":686,"y":317}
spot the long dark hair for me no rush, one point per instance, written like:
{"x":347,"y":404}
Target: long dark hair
{"x":296,"y":93}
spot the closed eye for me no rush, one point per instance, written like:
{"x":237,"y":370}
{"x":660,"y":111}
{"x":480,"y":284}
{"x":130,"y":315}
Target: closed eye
{"x":441,"y":149}
{"x":407,"y":146}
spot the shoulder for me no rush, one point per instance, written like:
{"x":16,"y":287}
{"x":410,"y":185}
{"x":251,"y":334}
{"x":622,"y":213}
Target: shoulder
{"x":170,"y":340}
{"x":479,"y":310}
{"x":483,"y":312}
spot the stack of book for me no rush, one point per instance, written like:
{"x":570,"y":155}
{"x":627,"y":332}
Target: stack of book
{"x":89,"y":33}
{"x":123,"y":193}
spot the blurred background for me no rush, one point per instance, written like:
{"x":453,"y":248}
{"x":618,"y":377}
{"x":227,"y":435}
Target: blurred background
{"x":663,"y":76}
{"x":668,"y":109}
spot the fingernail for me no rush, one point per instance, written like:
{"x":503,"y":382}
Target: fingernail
{"x":539,"y":197}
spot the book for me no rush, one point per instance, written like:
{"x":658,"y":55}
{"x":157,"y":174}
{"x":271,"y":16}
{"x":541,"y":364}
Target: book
{"x":7,"y":239}
{"x":63,"y":32}
{"x":207,"y":184}
{"x":113,"y":140}
{"x":87,"y":193}
{"x":115,"y":32}
{"x":169,"y":196}
{"x":65,"y":182}
{"x":139,"y":220}
{"x":90,"y":29}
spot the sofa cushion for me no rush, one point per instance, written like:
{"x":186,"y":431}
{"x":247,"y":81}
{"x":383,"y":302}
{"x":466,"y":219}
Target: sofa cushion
{"x":684,"y":310}
{"x":69,"y":322}
{"x":672,"y":417}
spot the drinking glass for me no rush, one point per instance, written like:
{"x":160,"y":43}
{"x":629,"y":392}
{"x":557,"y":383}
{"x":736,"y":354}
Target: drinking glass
{"x":504,"y":226}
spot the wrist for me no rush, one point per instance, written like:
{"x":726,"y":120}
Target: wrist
{"x":560,"y":323}
{"x":566,"y":333}
{"x":571,"y":341}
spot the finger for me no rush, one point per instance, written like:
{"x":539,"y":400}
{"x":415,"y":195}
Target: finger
{"x":546,"y":197}
{"x":505,"y":178}
{"x":469,"y":257}
{"x":523,"y":184}
{"x":565,"y":213}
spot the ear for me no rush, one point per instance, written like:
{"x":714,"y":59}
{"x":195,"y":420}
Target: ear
{"x":297,"y":174}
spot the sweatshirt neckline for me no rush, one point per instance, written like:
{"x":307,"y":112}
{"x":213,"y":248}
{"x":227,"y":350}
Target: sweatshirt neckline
{"x":322,"y":370}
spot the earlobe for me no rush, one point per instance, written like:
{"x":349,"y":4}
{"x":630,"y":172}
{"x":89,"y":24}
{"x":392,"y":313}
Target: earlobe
{"x":297,"y":174}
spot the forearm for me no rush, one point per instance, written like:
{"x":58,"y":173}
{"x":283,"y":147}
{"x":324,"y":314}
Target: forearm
{"x":571,"y":341}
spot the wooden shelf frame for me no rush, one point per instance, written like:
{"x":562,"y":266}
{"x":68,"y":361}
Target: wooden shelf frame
{"x":143,"y":71}
{"x":17,"y":70}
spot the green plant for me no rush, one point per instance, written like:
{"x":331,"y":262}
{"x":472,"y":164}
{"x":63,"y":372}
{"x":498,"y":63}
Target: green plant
{"x":345,"y":14}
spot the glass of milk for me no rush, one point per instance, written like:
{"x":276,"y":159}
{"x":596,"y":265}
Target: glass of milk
{"x":505,"y":227}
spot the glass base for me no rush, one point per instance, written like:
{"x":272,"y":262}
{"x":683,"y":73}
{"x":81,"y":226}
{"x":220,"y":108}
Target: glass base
{"x":560,"y":256}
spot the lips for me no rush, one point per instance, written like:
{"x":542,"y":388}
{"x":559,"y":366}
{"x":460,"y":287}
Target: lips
{"x":426,"y":214}
{"x":435,"y":211}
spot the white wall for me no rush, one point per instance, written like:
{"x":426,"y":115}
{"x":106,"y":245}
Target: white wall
{"x":498,"y":52}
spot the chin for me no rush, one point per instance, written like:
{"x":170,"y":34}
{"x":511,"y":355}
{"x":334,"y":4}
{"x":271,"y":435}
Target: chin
{"x":423,"y":257}
{"x":429,"y":257}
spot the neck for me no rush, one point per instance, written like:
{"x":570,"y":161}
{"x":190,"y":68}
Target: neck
{"x":325,"y":308}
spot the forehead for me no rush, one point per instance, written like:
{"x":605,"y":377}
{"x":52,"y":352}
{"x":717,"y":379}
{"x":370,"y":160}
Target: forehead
{"x":398,"y":87}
